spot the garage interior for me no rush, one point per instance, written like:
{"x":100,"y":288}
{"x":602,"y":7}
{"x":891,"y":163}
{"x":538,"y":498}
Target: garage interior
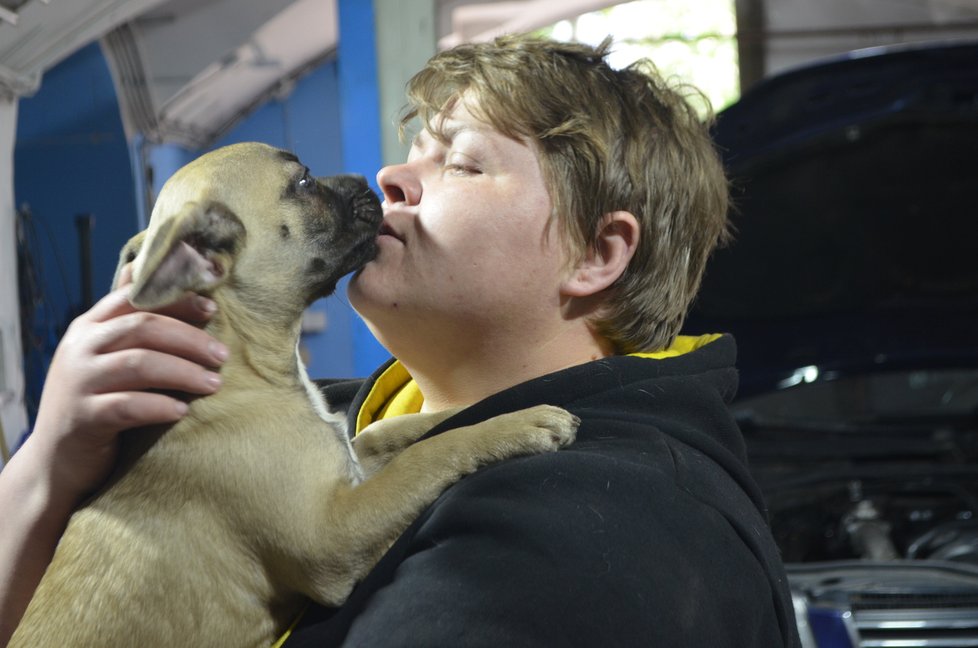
{"x":848,"y":128}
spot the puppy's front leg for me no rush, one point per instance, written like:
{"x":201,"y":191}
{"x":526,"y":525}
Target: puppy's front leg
{"x":371,"y":515}
{"x":380,"y":442}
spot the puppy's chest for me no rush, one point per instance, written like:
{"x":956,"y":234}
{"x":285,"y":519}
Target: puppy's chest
{"x":252,"y":430}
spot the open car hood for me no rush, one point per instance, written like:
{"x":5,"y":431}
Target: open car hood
{"x":855,"y":186}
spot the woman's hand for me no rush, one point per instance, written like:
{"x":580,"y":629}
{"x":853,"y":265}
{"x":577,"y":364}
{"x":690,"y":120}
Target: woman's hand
{"x":100,"y":379}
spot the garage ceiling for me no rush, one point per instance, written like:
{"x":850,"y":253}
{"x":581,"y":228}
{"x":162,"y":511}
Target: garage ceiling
{"x":36,"y":34}
{"x":187,"y":70}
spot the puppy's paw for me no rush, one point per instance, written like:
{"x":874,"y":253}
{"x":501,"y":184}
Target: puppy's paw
{"x":551,"y":426}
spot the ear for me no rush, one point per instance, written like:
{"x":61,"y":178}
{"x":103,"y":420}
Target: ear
{"x":606,"y":260}
{"x":127,"y":256}
{"x":192,"y":250}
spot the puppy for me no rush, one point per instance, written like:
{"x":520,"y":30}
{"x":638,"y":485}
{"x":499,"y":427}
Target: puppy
{"x":214,"y":531}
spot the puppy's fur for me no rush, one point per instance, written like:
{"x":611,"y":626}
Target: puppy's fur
{"x":213,"y":533}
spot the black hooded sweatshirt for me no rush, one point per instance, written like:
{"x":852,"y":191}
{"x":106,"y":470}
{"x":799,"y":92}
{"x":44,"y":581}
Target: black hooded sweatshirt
{"x":647,"y":531}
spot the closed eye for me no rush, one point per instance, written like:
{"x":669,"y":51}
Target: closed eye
{"x":462,"y":169}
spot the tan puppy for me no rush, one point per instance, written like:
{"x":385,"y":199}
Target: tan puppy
{"x":213,"y":533}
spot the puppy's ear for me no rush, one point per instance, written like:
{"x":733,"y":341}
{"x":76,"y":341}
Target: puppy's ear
{"x":128,"y":255}
{"x":190,"y":251}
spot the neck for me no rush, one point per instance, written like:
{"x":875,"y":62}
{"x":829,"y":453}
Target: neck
{"x":457,"y":375}
{"x":256,"y":346}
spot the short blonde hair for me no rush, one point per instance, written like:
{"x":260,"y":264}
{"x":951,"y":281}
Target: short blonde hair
{"x":608,"y":140}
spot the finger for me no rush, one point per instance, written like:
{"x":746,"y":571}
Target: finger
{"x":143,"y":369}
{"x":112,"y":305}
{"x":190,"y":308}
{"x":124,"y":410}
{"x":151,"y":331}
{"x":125,"y":276}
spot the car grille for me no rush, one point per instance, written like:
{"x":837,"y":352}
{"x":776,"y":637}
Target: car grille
{"x":911,"y":627}
{"x":880,"y":608}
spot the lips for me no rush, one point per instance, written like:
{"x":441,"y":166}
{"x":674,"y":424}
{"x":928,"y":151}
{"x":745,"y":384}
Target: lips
{"x":387,"y":230}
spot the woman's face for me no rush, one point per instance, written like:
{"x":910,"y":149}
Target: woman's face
{"x":467,"y":241}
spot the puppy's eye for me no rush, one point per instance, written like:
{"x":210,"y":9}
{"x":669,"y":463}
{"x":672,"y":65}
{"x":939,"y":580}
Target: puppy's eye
{"x":306,"y":181}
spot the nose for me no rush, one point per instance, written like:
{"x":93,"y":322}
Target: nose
{"x":399,"y":184}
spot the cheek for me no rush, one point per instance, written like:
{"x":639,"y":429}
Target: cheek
{"x":497,"y":220}
{"x":498,"y":253}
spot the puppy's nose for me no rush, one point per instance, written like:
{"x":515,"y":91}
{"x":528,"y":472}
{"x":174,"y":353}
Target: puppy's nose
{"x":361,"y":201}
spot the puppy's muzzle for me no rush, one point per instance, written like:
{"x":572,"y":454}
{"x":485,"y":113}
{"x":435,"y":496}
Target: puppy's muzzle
{"x":359,"y":199}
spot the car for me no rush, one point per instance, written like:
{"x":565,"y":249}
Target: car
{"x":851,"y":286}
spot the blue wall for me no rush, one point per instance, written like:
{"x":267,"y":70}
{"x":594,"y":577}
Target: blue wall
{"x":361,"y":144}
{"x":70,"y":158}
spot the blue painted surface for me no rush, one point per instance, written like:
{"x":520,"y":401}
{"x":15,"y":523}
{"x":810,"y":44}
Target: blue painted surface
{"x":361,"y":136}
{"x":70,"y":158}
{"x":164,"y":160}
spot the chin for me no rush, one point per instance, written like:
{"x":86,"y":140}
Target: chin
{"x":369,"y":295}
{"x":355,"y":291}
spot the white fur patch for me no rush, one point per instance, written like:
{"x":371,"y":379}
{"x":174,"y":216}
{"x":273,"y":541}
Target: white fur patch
{"x":335,"y":420}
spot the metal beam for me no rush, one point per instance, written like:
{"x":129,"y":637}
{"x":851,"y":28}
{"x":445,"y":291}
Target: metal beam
{"x":751,"y":50}
{"x":8,"y":15}
{"x":14,"y":84}
{"x":406,"y":39}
